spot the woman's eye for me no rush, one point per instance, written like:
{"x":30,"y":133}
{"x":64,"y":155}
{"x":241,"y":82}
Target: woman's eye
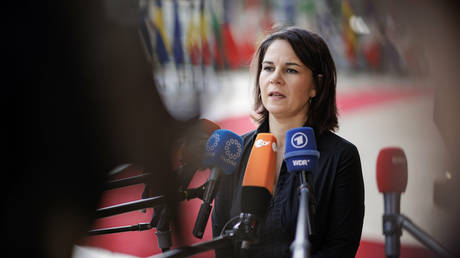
{"x":268,"y":68}
{"x":291,"y":70}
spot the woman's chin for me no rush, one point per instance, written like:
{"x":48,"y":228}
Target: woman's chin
{"x":277,"y":112}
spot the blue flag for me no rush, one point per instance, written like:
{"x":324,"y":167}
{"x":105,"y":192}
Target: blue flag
{"x":177,"y":44}
{"x":161,"y":42}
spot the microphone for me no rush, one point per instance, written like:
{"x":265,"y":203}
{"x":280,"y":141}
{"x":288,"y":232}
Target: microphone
{"x":392,"y":181}
{"x":187,"y":157}
{"x":189,"y":148}
{"x":301,"y":156}
{"x":190,"y":151}
{"x":257,"y":187}
{"x":223,"y":153}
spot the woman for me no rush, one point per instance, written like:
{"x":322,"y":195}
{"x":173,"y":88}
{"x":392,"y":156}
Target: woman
{"x":295,"y":86}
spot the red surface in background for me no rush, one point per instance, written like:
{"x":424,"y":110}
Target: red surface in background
{"x":145,"y":243}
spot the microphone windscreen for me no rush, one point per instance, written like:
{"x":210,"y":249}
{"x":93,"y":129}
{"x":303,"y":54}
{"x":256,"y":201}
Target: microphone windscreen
{"x":207,"y":126}
{"x":259,"y":177}
{"x":391,"y":170}
{"x":301,"y":153}
{"x":223,"y":150}
{"x":195,"y":142}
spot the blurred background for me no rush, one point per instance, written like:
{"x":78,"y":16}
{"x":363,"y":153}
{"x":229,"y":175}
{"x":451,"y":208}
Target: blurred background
{"x":397,"y":63}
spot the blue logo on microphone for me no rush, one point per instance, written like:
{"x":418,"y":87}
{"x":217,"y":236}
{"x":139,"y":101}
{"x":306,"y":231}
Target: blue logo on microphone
{"x":233,"y":149}
{"x":213,"y":141}
{"x":299,"y":140}
{"x":300,"y":152}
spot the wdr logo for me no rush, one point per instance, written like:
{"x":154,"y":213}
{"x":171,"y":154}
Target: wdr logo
{"x":301,"y":162}
{"x":299,"y":140}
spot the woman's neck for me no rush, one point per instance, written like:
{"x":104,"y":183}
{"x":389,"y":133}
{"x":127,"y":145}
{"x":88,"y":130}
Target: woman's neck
{"x":279,"y":127}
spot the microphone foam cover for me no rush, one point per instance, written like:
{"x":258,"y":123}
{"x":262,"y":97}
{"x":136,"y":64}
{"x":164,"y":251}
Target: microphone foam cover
{"x":196,"y":137}
{"x":223,"y":150}
{"x":208,"y":126}
{"x":301,"y":153}
{"x":259,"y":177}
{"x":391,"y":170}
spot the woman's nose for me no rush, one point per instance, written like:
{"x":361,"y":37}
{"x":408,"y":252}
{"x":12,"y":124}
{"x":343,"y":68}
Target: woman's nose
{"x":276,"y":77}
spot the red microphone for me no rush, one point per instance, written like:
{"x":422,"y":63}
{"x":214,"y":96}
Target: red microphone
{"x":392,"y":181}
{"x":392,"y":170}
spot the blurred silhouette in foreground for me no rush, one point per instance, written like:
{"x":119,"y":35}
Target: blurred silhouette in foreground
{"x":79,"y":101}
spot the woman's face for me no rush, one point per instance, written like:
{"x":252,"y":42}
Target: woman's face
{"x":286,"y":84}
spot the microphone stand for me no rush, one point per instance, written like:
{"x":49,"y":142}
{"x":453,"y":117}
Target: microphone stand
{"x":301,"y":246}
{"x":159,"y":221}
{"x":244,"y":231}
{"x":218,"y":242}
{"x":391,"y":227}
{"x":138,"y":227}
{"x":394,"y":222}
{"x":130,"y":206}
{"x":139,"y":205}
{"x":139,"y":179}
{"x":422,"y":236}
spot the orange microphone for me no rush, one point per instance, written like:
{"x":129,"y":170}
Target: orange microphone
{"x":259,"y":178}
{"x":257,"y":187}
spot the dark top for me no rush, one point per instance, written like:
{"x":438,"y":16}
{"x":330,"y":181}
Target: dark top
{"x":338,"y":190}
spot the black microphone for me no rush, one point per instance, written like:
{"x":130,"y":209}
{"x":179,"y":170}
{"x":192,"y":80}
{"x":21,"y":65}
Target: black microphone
{"x":188,"y":154}
{"x":223,"y":154}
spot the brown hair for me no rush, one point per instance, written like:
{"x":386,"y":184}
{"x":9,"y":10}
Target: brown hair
{"x":311,"y":49}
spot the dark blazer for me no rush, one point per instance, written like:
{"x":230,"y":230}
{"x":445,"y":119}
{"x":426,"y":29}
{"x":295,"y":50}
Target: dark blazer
{"x":338,"y":190}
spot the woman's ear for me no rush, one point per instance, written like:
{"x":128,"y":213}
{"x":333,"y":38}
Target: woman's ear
{"x":318,"y":83}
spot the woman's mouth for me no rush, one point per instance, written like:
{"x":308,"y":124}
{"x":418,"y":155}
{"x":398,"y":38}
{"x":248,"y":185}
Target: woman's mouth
{"x":276,"y":94}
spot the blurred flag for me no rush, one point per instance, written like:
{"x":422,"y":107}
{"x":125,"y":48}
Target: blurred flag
{"x":144,"y":31}
{"x":230,"y":47}
{"x":218,"y":59}
{"x":290,"y":11}
{"x":193,"y":47}
{"x":267,"y":20}
{"x":205,"y":51}
{"x":231,"y":50}
{"x":177,"y":44}
{"x":348,"y":34}
{"x":161,"y":42}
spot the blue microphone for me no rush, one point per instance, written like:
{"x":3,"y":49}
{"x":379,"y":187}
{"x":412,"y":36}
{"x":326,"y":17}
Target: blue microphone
{"x":301,"y":153}
{"x":301,"y":156}
{"x":223,"y":150}
{"x":223,"y":154}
